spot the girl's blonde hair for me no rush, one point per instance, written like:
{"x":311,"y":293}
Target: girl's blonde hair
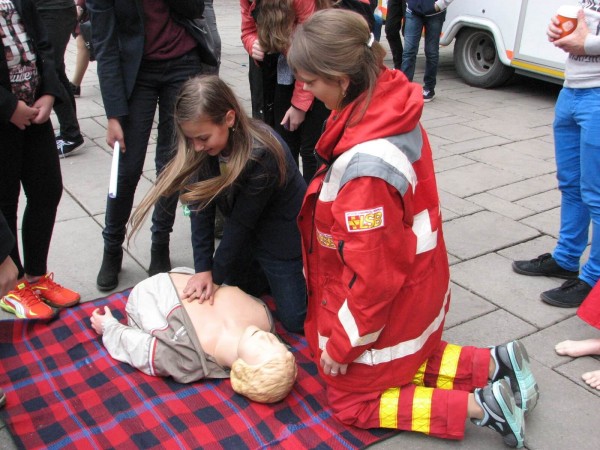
{"x":333,"y":44}
{"x":265,"y":383}
{"x":275,"y":24}
{"x":209,"y":98}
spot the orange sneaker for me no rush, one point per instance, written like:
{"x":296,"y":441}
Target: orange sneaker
{"x":25,"y":304}
{"x":53,"y":293}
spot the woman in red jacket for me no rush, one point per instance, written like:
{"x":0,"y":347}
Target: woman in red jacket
{"x":375,"y":259}
{"x":267,"y":27}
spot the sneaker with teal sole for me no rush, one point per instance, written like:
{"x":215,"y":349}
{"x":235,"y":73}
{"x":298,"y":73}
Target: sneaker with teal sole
{"x":501,"y":413}
{"x":512,"y":364}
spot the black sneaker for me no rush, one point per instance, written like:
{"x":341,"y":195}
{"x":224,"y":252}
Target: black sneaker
{"x":501,"y":413}
{"x":512,"y":364}
{"x":428,"y":95}
{"x":543,"y":266}
{"x":571,"y":294}
{"x":76,"y":90}
{"x":67,"y":146}
{"x":2,"y":398}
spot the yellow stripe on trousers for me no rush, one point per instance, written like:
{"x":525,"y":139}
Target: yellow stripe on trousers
{"x":388,"y":408}
{"x":421,"y":410}
{"x":419,"y":378}
{"x":448,"y":367}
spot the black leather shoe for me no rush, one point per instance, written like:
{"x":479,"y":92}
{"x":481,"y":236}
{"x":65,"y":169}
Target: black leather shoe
{"x":571,"y":294}
{"x":543,"y":266}
{"x":159,"y":259}
{"x":108,"y":277}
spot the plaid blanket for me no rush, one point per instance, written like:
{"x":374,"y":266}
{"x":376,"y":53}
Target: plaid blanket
{"x":65,"y":391}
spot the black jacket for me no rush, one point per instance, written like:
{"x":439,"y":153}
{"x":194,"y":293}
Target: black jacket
{"x":118,"y":40}
{"x":258,"y":211}
{"x":49,"y":83}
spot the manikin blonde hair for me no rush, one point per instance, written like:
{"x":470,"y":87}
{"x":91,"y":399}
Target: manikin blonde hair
{"x":269,"y":382}
{"x":332,"y":44}
{"x":275,"y":24}
{"x":208,"y":98}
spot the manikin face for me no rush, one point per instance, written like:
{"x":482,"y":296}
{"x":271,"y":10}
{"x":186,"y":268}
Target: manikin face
{"x":257,"y":346}
{"x":207,"y":136}
{"x":328,"y":91}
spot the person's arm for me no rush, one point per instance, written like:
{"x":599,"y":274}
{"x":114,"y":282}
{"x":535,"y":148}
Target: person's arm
{"x":301,"y":99}
{"x":124,"y":343}
{"x":34,"y":26}
{"x":580,"y":42}
{"x":108,"y":55}
{"x":376,"y":263}
{"x":249,"y":31}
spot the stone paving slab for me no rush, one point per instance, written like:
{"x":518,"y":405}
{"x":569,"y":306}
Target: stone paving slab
{"x":494,"y":155}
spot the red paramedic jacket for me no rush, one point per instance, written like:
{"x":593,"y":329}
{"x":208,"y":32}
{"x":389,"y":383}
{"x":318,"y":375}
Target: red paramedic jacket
{"x":374,"y":253}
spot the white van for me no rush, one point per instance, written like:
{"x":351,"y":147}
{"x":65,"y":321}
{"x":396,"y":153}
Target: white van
{"x":495,"y":38}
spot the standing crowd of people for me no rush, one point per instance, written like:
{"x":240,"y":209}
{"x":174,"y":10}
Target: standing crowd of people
{"x":351,"y":246}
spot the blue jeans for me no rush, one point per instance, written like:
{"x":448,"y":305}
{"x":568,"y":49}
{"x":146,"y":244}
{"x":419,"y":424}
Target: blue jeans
{"x":157,"y":82}
{"x":577,"y":147}
{"x":413,"y":27}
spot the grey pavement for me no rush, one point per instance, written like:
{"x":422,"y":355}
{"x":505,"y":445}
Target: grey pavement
{"x":495,"y":168}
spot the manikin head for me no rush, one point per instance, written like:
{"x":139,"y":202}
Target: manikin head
{"x":265,"y":370}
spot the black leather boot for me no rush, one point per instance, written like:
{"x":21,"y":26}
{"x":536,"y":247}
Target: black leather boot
{"x":108,"y":277}
{"x":159,"y":259}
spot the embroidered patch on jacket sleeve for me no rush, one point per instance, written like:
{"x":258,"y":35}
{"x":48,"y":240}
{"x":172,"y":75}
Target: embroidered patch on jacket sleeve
{"x":367,"y":219}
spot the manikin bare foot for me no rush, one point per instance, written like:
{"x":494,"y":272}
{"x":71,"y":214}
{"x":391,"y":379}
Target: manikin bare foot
{"x":578,"y":348}
{"x":592,"y":378}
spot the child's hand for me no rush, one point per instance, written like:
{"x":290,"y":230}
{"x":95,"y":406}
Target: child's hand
{"x":114,"y":133}
{"x":258,"y":53}
{"x":98,"y":319}
{"x":44,"y":106}
{"x":23,"y":115}
{"x":200,"y":287}
{"x":293,"y":118}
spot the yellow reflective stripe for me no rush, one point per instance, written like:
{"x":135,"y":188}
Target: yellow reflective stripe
{"x":388,"y":408}
{"x":421,"y":409}
{"x":420,"y":375}
{"x":448,"y":367}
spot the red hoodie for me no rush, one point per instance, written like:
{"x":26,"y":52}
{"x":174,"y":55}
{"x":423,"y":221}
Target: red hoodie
{"x":375,"y":259}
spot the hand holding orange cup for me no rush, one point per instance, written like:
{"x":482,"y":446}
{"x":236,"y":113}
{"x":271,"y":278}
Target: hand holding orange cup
{"x":567,"y":16}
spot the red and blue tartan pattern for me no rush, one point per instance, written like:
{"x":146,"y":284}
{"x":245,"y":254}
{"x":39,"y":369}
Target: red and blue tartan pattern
{"x":64,"y":391}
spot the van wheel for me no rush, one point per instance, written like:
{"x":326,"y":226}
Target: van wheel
{"x":476,"y":59}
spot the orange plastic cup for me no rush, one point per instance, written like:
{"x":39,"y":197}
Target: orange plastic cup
{"x":567,"y":16}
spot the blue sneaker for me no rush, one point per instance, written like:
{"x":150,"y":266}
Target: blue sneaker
{"x":512,"y":364}
{"x":501,"y":413}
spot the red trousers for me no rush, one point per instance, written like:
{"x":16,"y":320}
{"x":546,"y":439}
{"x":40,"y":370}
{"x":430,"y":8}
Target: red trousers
{"x":434,"y":403}
{"x":590,"y":308}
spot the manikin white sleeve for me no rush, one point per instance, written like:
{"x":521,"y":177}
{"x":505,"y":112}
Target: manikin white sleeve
{"x":130,"y":345}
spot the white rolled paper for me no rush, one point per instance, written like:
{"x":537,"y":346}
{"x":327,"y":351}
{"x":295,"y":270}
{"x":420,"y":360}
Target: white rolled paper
{"x":114,"y":171}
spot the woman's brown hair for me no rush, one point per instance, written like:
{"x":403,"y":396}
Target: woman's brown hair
{"x":275,"y":24}
{"x":337,"y":43}
{"x":208,"y":98}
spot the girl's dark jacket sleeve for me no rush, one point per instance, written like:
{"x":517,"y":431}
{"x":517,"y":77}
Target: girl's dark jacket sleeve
{"x":257,"y":210}
{"x":7,"y":240}
{"x":45,"y":61}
